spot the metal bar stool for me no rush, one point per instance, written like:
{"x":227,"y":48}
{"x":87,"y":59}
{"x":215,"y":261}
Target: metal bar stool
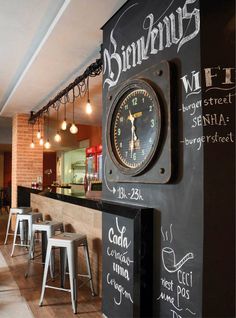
{"x":29,"y":219}
{"x":47,"y":229}
{"x":69,"y":242}
{"x":15,"y":211}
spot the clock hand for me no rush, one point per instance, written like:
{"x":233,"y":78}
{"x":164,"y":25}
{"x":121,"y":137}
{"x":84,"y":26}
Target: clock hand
{"x":136,"y":115}
{"x":131,"y":118}
{"x":133,"y":128}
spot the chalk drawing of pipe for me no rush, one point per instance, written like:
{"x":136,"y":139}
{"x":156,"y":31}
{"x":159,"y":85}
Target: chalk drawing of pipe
{"x":169,"y":261}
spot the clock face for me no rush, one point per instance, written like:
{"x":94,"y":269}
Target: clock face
{"x":134,"y":127}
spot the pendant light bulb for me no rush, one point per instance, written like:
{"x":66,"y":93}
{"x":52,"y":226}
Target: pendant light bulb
{"x":73,"y":129}
{"x":88,"y":108}
{"x":47,"y":144}
{"x":41,"y":141}
{"x":32,"y":145}
{"x":64,"y":125}
{"x":38,"y":134}
{"x":57,"y":137}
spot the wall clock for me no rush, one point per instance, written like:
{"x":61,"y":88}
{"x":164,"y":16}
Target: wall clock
{"x":138,"y":128}
{"x":134,"y":127}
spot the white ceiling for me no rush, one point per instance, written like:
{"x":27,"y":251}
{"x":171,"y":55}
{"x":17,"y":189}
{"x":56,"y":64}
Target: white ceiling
{"x":45,"y":45}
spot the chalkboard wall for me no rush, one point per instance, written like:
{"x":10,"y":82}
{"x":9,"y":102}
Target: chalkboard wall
{"x":127,"y":249}
{"x":201,"y":191}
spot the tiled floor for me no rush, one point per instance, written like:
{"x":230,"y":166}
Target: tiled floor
{"x":19,"y":296}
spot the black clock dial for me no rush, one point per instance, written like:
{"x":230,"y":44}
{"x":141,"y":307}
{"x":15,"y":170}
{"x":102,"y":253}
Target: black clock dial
{"x":135,"y":126}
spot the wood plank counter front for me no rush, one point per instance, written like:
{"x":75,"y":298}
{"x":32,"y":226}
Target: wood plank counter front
{"x":80,"y":219}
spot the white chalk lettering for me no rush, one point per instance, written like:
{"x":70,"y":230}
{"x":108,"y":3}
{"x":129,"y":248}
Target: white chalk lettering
{"x":119,"y":256}
{"x":119,"y":239}
{"x":121,"y":271}
{"x":158,"y":36}
{"x":120,"y":289}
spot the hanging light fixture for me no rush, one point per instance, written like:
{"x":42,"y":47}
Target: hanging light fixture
{"x":38,"y":132}
{"x":47,"y":144}
{"x":64,"y":123}
{"x":57,"y":137}
{"x":88,"y":105}
{"x":73,"y":128}
{"x":41,"y":141}
{"x":32,"y":145}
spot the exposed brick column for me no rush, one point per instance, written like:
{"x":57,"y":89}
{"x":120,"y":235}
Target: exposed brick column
{"x":27,"y":163}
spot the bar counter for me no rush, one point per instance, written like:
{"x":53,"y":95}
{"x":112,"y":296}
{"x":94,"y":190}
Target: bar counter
{"x":78,"y":214}
{"x":81,"y":215}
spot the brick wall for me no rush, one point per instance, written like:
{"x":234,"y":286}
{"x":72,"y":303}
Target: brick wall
{"x":27,"y":163}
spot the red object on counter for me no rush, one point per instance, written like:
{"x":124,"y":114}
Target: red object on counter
{"x":93,"y":162}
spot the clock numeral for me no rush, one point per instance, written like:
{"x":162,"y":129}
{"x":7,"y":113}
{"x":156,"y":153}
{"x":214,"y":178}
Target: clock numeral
{"x":143,"y":100}
{"x":126,"y":107}
{"x":135,"y":101}
{"x":143,"y":152}
{"x":121,"y":145}
{"x":119,"y":131}
{"x":150,"y":108}
{"x":152,"y":122}
{"x":126,"y":154}
{"x":134,"y":156}
{"x":150,"y":140}
{"x":121,"y":119}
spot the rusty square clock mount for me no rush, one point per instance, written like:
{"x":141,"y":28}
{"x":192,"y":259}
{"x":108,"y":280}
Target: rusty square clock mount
{"x":138,"y":128}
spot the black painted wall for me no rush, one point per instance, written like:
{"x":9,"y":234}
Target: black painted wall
{"x":218,"y":53}
{"x":194,"y":211}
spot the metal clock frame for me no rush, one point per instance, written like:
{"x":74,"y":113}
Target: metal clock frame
{"x":127,"y":87}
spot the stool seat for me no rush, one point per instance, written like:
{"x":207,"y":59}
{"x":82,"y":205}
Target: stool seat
{"x":68,"y":243}
{"x":21,"y":210}
{"x":15,"y":211}
{"x":48,"y":229}
{"x":66,"y":238}
{"x":48,"y":226}
{"x":30,"y":218}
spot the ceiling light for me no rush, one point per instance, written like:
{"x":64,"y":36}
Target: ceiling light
{"x":38,"y":132}
{"x":73,"y":128}
{"x":88,"y":108}
{"x":57,"y":137}
{"x":32,"y":145}
{"x":88,"y":105}
{"x":47,"y":144}
{"x":41,"y":142}
{"x":64,"y":123}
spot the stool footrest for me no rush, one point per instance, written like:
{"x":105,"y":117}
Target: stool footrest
{"x":24,"y":245}
{"x":57,"y":288}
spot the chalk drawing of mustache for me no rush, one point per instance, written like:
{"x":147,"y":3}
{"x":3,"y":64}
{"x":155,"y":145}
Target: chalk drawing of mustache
{"x":169,"y":261}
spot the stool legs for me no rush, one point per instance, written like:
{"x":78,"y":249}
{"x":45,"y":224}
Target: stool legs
{"x":31,"y":254}
{"x":8,"y":227}
{"x":63,"y":262}
{"x":45,"y":274}
{"x":15,"y":235}
{"x":72,"y":258}
{"x":86,"y":253}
